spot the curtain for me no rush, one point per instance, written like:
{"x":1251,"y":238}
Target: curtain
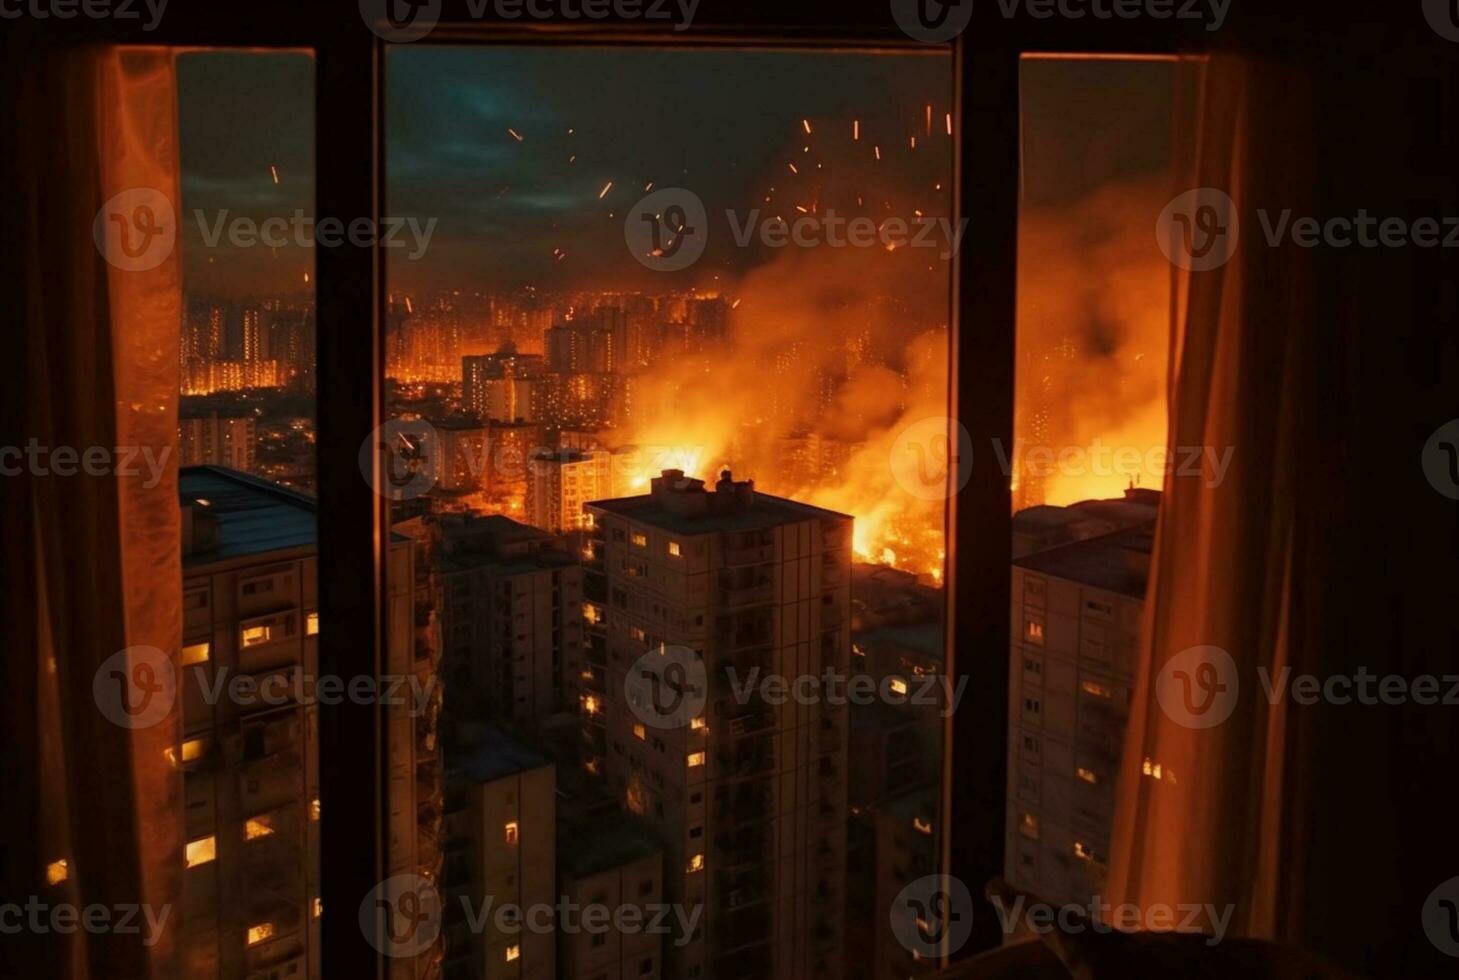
{"x":1323,"y":551}
{"x":91,"y":521}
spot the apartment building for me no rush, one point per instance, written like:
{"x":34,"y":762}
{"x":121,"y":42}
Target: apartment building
{"x":749,"y":794}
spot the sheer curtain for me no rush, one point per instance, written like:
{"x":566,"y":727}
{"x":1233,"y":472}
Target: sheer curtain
{"x":94,"y":539}
{"x":1323,"y":551}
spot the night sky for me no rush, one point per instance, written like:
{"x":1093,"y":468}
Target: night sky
{"x":721,"y":123}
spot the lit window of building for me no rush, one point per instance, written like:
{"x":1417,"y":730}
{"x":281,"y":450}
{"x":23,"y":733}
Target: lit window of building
{"x":898,"y":685}
{"x":637,"y":633}
{"x":1033,"y":631}
{"x":921,"y":826}
{"x":193,"y":749}
{"x":256,"y":827}
{"x":1028,"y":826}
{"x":1087,"y":775}
{"x":318,"y":907}
{"x":640,"y":540}
{"x":254,"y":636}
{"x":314,"y":809}
{"x":510,"y":831}
{"x":674,"y":549}
{"x":696,"y":759}
{"x":260,"y":932}
{"x":699,"y":725}
{"x":57,"y":872}
{"x":1098,"y":690}
{"x":195,"y":653}
{"x":639,"y":732}
{"x":1082,"y":852}
{"x":200,"y":851}
{"x":696,"y":863}
{"x":311,"y":624}
{"x":590,"y":705}
{"x":513,"y":953}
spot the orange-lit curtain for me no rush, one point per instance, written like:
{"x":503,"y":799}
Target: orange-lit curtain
{"x":92,"y":557}
{"x":1220,"y":824}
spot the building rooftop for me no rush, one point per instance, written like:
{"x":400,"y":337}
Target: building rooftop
{"x":494,"y":754}
{"x":1116,"y":562}
{"x":246,"y":515}
{"x":681,"y":504}
{"x":591,"y":844}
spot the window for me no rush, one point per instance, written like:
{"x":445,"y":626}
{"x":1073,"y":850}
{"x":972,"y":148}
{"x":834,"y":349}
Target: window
{"x":674,"y":549}
{"x":1033,"y":631}
{"x":311,"y":624}
{"x":695,"y":759}
{"x":898,"y":685}
{"x":509,"y":831}
{"x":256,"y":827}
{"x":696,"y":863}
{"x":200,"y":851}
{"x":514,"y":952}
{"x":639,"y":732}
{"x":1028,"y":825}
{"x":260,"y":933}
{"x":1096,"y":689}
{"x":57,"y":872}
{"x":640,"y":540}
{"x":1086,"y":775}
{"x":195,"y":653}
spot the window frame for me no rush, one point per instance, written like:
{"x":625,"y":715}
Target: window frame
{"x":350,"y":295}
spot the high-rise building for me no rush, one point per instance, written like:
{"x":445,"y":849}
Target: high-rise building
{"x":250,"y":762}
{"x":611,"y":861}
{"x":501,"y":814}
{"x":511,"y":620}
{"x":504,"y":386}
{"x":1076,"y":633}
{"x":560,"y":483}
{"x":462,"y":456}
{"x":749,"y":796}
{"x":214,"y":441}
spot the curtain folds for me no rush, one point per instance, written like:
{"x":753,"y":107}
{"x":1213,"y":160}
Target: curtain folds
{"x":98,"y":316}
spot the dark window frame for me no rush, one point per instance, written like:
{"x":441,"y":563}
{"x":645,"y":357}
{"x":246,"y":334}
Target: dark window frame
{"x":350,"y":286}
